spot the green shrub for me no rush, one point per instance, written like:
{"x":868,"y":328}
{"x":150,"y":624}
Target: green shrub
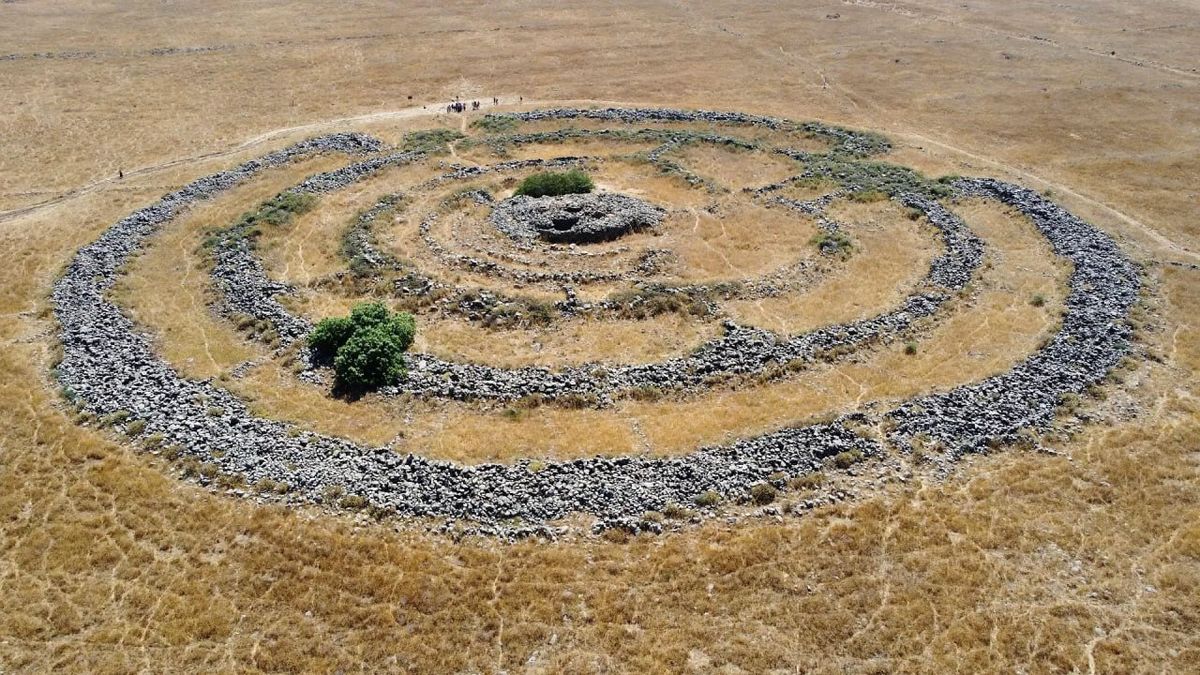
{"x":367,"y":347}
{"x":552,"y":183}
{"x":847,"y":458}
{"x":430,"y":140}
{"x":763,"y":493}
{"x":495,"y":124}
{"x":330,"y":333}
{"x":1038,"y":300}
{"x":370,"y":358}
{"x":910,"y":347}
{"x":833,"y":243}
{"x":708,"y":498}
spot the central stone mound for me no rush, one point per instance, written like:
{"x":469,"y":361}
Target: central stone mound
{"x":574,"y":219}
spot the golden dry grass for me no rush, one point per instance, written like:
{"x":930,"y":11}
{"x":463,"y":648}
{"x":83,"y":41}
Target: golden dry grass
{"x":307,"y":249}
{"x":736,"y":169}
{"x":1088,"y":562}
{"x":741,"y":240}
{"x":573,"y":343}
{"x":891,"y":255}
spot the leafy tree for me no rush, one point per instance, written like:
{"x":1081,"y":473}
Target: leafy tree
{"x":372,"y":357}
{"x":368,"y":346}
{"x":330,"y":333}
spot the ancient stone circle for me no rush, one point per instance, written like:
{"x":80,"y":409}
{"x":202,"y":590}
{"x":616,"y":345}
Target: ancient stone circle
{"x":110,"y":368}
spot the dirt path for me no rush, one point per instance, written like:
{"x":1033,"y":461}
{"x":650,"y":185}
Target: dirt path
{"x":402,"y":113}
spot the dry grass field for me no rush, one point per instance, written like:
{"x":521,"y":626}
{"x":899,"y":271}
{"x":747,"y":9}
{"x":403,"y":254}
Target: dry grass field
{"x":1083,"y":559}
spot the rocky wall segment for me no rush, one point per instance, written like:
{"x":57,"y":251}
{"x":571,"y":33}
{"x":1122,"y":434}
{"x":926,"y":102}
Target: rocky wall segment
{"x":110,"y":368}
{"x":1095,"y":335}
{"x":238,"y":274}
{"x":847,"y":141}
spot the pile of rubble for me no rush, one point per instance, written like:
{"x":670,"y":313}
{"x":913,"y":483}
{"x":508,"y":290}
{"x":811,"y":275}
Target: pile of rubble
{"x":574,"y":219}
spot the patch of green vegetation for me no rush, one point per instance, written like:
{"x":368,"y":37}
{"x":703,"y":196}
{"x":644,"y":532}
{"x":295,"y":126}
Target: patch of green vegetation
{"x":867,"y":196}
{"x":520,"y":312}
{"x":846,"y":141}
{"x":874,"y":177}
{"x":847,"y":458}
{"x":554,"y":183}
{"x":430,"y":141}
{"x":653,"y":300}
{"x":1038,"y":300}
{"x":367,"y":347}
{"x":833,"y":243}
{"x":763,"y":493}
{"x":708,"y":498}
{"x":495,"y":124}
{"x":910,"y":347}
{"x":279,"y":210}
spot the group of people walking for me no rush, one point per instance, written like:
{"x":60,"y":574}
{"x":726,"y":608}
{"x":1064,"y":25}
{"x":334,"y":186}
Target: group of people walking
{"x":461,"y":106}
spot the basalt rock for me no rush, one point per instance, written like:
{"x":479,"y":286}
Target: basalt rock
{"x":574,"y":219}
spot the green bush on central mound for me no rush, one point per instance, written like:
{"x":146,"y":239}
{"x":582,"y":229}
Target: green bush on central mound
{"x":367,"y":347}
{"x":552,"y":184}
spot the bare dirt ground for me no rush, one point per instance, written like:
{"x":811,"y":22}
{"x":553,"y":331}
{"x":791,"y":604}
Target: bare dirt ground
{"x":1085,"y":560}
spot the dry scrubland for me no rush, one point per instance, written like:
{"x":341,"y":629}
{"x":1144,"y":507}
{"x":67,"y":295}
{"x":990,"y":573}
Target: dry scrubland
{"x":1085,"y":561}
